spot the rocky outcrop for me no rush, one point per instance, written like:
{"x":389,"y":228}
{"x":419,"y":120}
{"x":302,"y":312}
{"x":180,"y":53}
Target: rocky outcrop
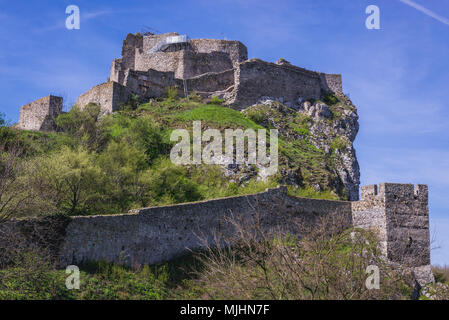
{"x":334,"y":132}
{"x":330,"y":127}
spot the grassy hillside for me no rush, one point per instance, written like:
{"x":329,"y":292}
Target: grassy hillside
{"x":106,"y":164}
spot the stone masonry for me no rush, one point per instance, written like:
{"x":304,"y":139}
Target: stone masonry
{"x":106,"y":94}
{"x":40,"y":114}
{"x":399,"y":213}
{"x":209,"y":67}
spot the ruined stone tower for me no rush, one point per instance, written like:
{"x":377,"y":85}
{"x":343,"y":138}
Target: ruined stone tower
{"x":40,"y":114}
{"x":400,"y":215}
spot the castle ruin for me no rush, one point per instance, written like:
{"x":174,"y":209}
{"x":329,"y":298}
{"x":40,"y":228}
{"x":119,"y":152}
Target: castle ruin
{"x":152,"y":63}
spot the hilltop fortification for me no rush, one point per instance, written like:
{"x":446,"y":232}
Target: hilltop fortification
{"x":152,"y":63}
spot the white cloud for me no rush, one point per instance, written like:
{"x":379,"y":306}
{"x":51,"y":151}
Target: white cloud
{"x":426,"y":11}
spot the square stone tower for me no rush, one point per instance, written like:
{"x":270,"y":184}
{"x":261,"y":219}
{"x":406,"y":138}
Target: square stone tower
{"x":40,"y":114}
{"x":400,"y":215}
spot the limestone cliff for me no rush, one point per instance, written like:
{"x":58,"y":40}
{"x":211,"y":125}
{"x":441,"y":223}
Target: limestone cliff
{"x":316,"y":142}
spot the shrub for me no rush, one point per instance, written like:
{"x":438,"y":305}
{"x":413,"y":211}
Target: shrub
{"x":2,"y":119}
{"x":69,"y":179}
{"x":131,"y":104}
{"x":172,"y":93}
{"x":338,"y":144}
{"x":171,"y":184}
{"x":330,"y":99}
{"x":257,"y":114}
{"x":441,"y":273}
{"x":216,"y":100}
{"x":194,"y":96}
{"x":327,"y":262}
{"x":148,"y":135}
{"x":82,"y":125}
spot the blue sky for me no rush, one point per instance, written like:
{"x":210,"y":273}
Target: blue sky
{"x":397,"y":76}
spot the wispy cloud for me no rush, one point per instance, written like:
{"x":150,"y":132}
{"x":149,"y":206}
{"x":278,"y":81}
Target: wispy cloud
{"x":91,"y":15}
{"x":426,"y":11}
{"x":84,"y":16}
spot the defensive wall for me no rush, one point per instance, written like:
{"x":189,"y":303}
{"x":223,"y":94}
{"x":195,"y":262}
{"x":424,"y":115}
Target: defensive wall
{"x":399,"y":213}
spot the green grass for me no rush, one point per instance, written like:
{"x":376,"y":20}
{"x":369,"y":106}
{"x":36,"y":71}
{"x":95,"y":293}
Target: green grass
{"x":101,"y":281}
{"x":309,"y":192}
{"x":338,"y":144}
{"x":330,"y":99}
{"x":222,"y":116}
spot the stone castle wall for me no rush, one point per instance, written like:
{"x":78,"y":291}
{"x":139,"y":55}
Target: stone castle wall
{"x":236,"y":50}
{"x":161,"y":61}
{"x":158,"y":234}
{"x":331,"y":83}
{"x":201,"y":60}
{"x":202,"y":56}
{"x":196,"y":64}
{"x":109,"y":96}
{"x":40,"y":114}
{"x":211,"y":82}
{"x":256,"y":78}
{"x":399,"y":213}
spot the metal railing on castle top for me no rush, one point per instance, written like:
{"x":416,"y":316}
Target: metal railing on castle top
{"x":164,"y":43}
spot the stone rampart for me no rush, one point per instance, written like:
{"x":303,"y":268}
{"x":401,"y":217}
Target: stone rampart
{"x":109,"y":96}
{"x":398,"y":212}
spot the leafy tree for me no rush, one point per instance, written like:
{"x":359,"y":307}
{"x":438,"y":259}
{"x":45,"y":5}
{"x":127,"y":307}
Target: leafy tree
{"x":148,"y":136}
{"x":171,"y":184}
{"x":71,"y":180}
{"x":82,"y":125}
{"x":143,"y":131}
{"x":2,"y":119}
{"x":123,"y":164}
{"x":13,"y":193}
